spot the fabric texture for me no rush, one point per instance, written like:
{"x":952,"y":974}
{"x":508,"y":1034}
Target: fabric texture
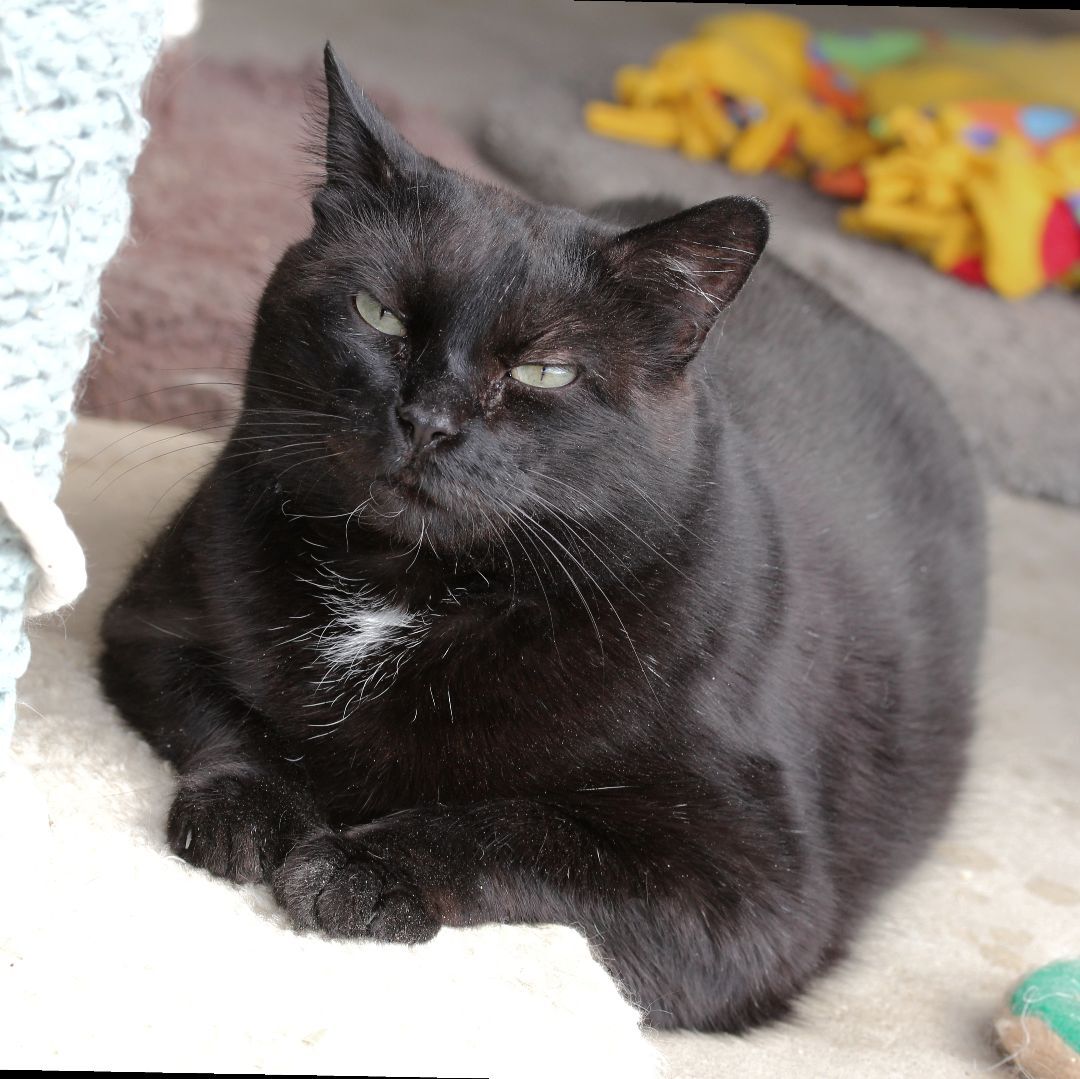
{"x":70,"y":130}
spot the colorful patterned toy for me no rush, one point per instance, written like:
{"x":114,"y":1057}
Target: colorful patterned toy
{"x":966,"y":151}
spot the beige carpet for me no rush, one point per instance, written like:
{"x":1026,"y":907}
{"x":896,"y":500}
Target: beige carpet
{"x":115,"y":955}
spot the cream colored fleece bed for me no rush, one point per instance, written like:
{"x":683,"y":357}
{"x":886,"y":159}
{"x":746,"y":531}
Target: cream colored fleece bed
{"x":115,"y":955}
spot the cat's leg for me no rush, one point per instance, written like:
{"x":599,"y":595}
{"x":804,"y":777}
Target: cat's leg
{"x":714,"y":936}
{"x":239,"y":804}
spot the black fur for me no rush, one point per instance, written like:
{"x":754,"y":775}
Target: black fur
{"x":694,"y":638}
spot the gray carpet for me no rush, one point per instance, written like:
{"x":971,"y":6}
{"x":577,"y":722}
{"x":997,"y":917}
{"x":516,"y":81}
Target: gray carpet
{"x":1010,"y":369}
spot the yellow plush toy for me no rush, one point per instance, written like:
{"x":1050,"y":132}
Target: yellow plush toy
{"x":740,"y":89}
{"x":967,"y":152}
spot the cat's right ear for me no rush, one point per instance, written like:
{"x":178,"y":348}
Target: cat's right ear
{"x":690,"y":266}
{"x":364,"y":154}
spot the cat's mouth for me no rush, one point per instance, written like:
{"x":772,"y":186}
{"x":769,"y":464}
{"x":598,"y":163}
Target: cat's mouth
{"x":405,"y":504}
{"x":409,"y":486}
{"x":412,"y":508}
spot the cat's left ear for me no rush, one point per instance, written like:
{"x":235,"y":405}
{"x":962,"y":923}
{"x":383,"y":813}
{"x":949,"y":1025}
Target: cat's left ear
{"x":364,"y":154}
{"x":693,"y":264}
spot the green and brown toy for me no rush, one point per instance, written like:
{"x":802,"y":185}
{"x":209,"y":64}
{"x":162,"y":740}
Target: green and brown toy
{"x":1040,"y":1026}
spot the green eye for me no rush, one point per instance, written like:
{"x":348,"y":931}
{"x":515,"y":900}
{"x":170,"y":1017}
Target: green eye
{"x":377,"y":316}
{"x":544,"y":376}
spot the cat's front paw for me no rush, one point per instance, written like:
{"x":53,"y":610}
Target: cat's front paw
{"x":343,"y":887}
{"x":236,"y":822}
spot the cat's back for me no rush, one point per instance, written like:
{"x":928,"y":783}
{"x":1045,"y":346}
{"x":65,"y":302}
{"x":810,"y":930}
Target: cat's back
{"x":842,"y":418}
{"x":878,"y":501}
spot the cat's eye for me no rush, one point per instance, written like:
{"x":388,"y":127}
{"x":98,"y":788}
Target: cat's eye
{"x":378,"y":317}
{"x":544,"y":376}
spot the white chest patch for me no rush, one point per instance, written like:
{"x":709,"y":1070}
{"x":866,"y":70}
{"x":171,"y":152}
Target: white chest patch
{"x":361,"y":646}
{"x":362,"y":629}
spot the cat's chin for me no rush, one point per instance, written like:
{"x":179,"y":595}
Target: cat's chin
{"x":410,"y":513}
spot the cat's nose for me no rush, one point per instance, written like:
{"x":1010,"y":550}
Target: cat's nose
{"x":426,"y":426}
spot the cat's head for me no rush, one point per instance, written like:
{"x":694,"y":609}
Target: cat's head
{"x":449,"y":360}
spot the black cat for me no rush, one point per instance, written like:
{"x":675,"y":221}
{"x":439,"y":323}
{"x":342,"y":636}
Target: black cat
{"x":536,"y":585}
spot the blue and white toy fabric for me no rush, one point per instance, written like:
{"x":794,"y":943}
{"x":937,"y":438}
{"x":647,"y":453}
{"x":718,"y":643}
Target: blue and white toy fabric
{"x":71,"y":74}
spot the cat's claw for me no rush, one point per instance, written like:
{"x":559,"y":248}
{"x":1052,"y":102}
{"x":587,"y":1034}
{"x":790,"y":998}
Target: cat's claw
{"x":338,"y":886}
{"x":233,"y":823}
